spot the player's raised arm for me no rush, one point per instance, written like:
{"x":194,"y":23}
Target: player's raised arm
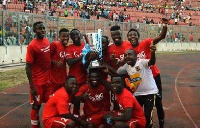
{"x":163,"y":33}
{"x":152,"y":61}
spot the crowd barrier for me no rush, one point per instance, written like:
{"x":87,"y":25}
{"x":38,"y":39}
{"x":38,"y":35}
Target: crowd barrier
{"x":16,"y":54}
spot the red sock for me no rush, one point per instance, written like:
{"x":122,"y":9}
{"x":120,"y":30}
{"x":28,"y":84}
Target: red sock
{"x":34,"y":119}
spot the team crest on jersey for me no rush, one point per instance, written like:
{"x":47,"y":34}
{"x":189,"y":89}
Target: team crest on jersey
{"x":137,"y":68}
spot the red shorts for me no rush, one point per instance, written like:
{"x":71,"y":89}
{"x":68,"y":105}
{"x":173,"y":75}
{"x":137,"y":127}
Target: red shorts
{"x":56,"y":122}
{"x":43,"y":93}
{"x":96,"y":118}
{"x":133,"y":123}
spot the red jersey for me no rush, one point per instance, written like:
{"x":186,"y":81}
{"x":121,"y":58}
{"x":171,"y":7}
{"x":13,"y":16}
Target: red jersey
{"x":76,"y":70}
{"x":57,"y":105}
{"x":118,"y":51}
{"x":127,"y":100}
{"x":38,"y":55}
{"x":106,"y":60}
{"x":58,"y":53}
{"x":143,"y":52}
{"x":98,"y":100}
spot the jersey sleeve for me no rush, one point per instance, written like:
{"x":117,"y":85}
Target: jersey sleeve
{"x":122,"y":69}
{"x":30,"y":54}
{"x":53,"y":48}
{"x":145,"y":62}
{"x":62,"y":104}
{"x":127,"y":102}
{"x":82,"y":90}
{"x":148,"y":42}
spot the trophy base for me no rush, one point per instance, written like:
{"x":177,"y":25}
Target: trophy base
{"x":94,"y":64}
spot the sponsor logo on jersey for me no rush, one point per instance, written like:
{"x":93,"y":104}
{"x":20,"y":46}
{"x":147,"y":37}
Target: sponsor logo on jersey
{"x":141,"y":55}
{"x":97,"y":97}
{"x":76,"y":54}
{"x":62,"y":54}
{"x":46,"y":49}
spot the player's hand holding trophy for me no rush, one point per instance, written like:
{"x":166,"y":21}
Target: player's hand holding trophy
{"x":93,"y":49}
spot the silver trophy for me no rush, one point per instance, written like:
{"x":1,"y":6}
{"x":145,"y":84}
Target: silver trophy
{"x":94,"y":40}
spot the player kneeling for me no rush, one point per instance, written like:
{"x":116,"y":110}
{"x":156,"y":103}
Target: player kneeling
{"x":131,"y":114}
{"x":56,"y":112}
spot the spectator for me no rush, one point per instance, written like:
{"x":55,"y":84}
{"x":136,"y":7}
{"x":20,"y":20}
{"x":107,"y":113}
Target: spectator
{"x":121,"y":17}
{"x":49,"y":4}
{"x":72,"y":12}
{"x":176,"y":21}
{"x":97,"y":15}
{"x":66,"y":13}
{"x":55,"y":36}
{"x":191,"y":37}
{"x":199,"y":38}
{"x":182,"y":38}
{"x":36,"y":8}
{"x":179,"y":37}
{"x":4,"y":4}
{"x":152,"y":21}
{"x":27,"y":34}
{"x":30,"y":7}
{"x":175,"y":37}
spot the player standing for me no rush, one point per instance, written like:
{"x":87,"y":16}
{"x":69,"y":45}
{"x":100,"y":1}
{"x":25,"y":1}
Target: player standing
{"x":74,"y":60}
{"x":117,"y":49}
{"x":58,"y":59}
{"x":38,"y":63}
{"x":74,"y":57}
{"x":143,"y":51}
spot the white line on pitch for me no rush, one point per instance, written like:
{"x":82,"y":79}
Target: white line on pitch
{"x":13,"y":110}
{"x":180,"y":98}
{"x":16,"y":93}
{"x":189,"y":82}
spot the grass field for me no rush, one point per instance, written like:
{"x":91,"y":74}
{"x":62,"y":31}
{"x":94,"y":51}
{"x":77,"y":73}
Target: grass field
{"x":14,"y":77}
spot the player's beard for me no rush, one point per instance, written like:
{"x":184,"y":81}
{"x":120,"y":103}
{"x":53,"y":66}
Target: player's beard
{"x":93,"y":84}
{"x":134,"y":42}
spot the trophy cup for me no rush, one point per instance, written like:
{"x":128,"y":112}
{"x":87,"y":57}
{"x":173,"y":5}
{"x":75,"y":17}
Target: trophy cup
{"x":93,"y":42}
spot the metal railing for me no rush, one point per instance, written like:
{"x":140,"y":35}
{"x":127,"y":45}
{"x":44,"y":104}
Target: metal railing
{"x":16,"y":28}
